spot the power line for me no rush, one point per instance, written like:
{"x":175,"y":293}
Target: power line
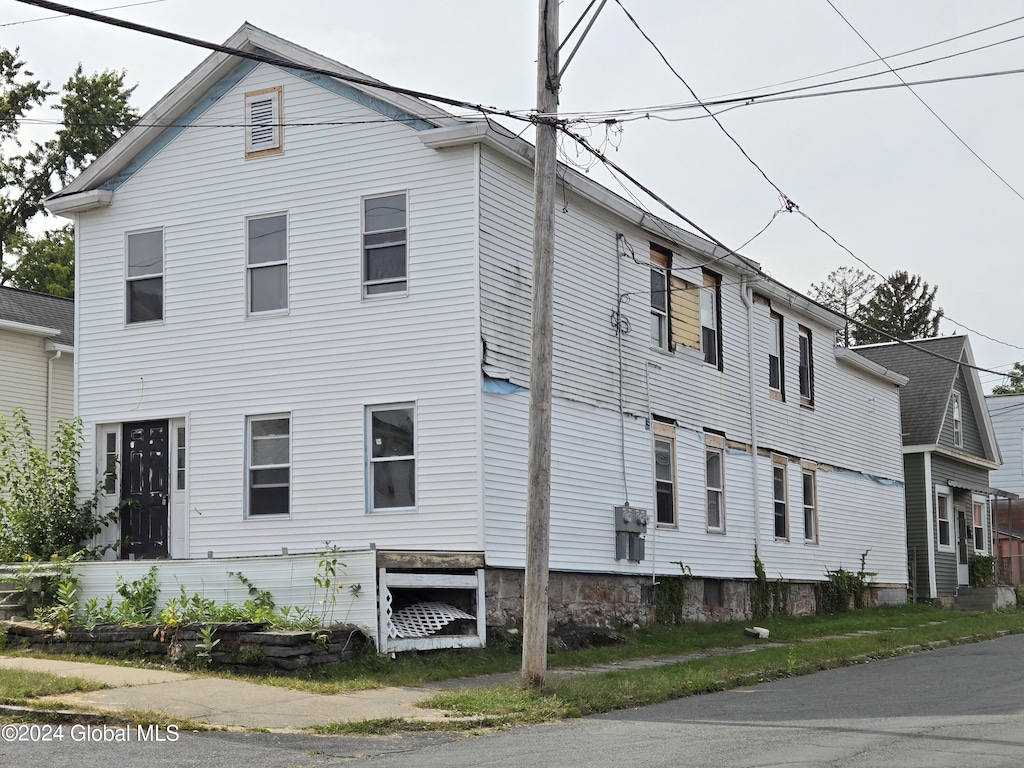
{"x":65,"y":15}
{"x":266,"y":59}
{"x":925,"y":104}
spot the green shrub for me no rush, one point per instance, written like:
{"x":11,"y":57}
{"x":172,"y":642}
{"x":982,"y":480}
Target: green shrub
{"x":40,"y":516}
{"x":983,"y":570}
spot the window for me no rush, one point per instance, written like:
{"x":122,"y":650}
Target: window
{"x":710,"y":314}
{"x":145,"y":276}
{"x":665,"y":473}
{"x":980,"y":508}
{"x":810,"y":501}
{"x":110,"y":454}
{"x":264,"y":125}
{"x":384,"y":245}
{"x":179,"y":460}
{"x":806,"y":367}
{"x":776,"y":368}
{"x":392,"y":453}
{"x":943,"y":521}
{"x":714,"y":482}
{"x":267,"y":263}
{"x":659,"y":308}
{"x":269,"y":465}
{"x":958,"y":422}
{"x":780,"y":496}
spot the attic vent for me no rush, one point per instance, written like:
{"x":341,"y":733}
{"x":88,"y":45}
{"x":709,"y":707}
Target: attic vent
{"x":263,"y":124}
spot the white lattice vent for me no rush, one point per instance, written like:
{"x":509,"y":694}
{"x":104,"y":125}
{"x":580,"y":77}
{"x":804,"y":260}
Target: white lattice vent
{"x":423,"y":619}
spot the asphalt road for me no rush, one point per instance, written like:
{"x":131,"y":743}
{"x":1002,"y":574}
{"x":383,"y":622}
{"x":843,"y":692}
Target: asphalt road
{"x":961,"y":706}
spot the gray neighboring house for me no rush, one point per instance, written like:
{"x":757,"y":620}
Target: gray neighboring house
{"x":949,"y":448}
{"x":37,"y":349}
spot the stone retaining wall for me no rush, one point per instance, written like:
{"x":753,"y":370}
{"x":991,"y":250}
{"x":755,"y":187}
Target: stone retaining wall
{"x":242,"y":645}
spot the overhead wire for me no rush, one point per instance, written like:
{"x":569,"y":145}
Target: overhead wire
{"x":65,"y":15}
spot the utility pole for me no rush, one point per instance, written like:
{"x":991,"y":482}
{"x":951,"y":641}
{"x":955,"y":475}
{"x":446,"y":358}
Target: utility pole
{"x":538,"y":472}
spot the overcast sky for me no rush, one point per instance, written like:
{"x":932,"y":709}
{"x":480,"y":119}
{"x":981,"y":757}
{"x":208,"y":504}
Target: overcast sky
{"x":876,"y":170}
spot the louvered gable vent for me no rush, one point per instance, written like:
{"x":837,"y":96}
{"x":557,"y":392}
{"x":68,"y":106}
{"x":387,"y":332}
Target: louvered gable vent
{"x":263,"y":122}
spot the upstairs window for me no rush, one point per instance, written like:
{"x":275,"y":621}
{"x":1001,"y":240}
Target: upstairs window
{"x":659,"y":298}
{"x":145,"y":282}
{"x":806,"y":367}
{"x":710,"y":316}
{"x":263,"y":122}
{"x":267,"y":263}
{"x":776,"y":358}
{"x":385,"y":262}
{"x":958,"y":422}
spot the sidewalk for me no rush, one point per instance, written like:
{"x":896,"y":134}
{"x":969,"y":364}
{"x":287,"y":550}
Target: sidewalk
{"x":238,"y":704}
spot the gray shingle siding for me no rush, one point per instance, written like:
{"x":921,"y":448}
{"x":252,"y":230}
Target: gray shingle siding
{"x":917,"y":526}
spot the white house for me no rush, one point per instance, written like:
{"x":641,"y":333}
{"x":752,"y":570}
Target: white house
{"x":303,"y":315}
{"x":37,"y":353}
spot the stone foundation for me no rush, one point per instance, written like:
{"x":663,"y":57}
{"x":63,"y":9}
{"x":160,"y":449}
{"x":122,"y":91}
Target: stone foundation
{"x":607,"y":600}
{"x":240,"y":645}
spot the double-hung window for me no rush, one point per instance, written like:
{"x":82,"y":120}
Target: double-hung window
{"x":944,"y":520}
{"x":710,"y":314}
{"x":267,"y":263}
{"x":958,"y":421}
{"x":810,"y":502}
{"x":806,"y":367}
{"x":264,"y":126}
{"x":979,"y":508}
{"x":665,"y":473}
{"x":776,"y":358}
{"x":659,"y":307}
{"x":714,"y":484}
{"x":269,"y":470}
{"x":392,"y":456}
{"x":145,"y":281}
{"x":385,"y":246}
{"x":780,"y":498}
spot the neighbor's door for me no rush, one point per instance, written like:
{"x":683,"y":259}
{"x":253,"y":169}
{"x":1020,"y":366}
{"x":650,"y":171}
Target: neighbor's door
{"x":144,"y":482}
{"x":963,"y":573}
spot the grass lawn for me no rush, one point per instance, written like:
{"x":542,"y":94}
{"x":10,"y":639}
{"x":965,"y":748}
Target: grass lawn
{"x":18,"y":686}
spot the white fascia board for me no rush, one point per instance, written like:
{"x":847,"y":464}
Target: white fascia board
{"x":26,"y":328}
{"x":53,"y":346}
{"x":852,"y":359}
{"x":988,"y":431}
{"x":795,"y":300}
{"x":523,"y":152}
{"x":951,"y":453}
{"x":69,"y":205}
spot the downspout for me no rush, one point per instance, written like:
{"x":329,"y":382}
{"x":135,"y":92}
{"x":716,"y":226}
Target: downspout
{"x":930,"y":526}
{"x":49,"y":393}
{"x":747,"y":293}
{"x":653,"y":517}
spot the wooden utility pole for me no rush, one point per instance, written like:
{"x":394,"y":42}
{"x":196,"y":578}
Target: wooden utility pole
{"x":538,"y":473}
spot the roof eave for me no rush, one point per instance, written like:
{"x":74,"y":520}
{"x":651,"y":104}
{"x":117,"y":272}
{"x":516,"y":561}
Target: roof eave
{"x":68,"y":205}
{"x":28,"y":328}
{"x":851,"y":358}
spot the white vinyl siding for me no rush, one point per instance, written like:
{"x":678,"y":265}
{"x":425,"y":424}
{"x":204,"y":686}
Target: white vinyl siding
{"x":326,"y":359}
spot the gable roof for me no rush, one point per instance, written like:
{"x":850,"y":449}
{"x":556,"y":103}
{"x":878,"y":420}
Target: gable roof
{"x":185,"y":103}
{"x":932,"y":366}
{"x":39,"y":314}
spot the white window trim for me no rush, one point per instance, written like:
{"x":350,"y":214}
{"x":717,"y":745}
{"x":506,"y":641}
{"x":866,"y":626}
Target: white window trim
{"x":714,"y":291}
{"x":162,"y":274}
{"x":776,"y":335}
{"x":958,"y":420}
{"x":249,"y":268}
{"x":249,"y":467}
{"x":812,"y":473}
{"x":278,"y":126}
{"x":947,"y":493}
{"x":105,"y":431}
{"x":369,"y":410}
{"x":984,"y":548}
{"x":714,"y":446}
{"x":665,"y":432}
{"x":663,"y":316}
{"x":807,"y":399}
{"x":781,"y":463}
{"x":363,"y":281}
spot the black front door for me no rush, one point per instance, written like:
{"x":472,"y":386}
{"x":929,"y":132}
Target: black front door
{"x":144,"y":486}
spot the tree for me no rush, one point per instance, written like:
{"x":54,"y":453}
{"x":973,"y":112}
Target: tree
{"x":45,"y":264}
{"x":1015,"y":384}
{"x":902,"y":307}
{"x":844,"y":290}
{"x":94,"y":112}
